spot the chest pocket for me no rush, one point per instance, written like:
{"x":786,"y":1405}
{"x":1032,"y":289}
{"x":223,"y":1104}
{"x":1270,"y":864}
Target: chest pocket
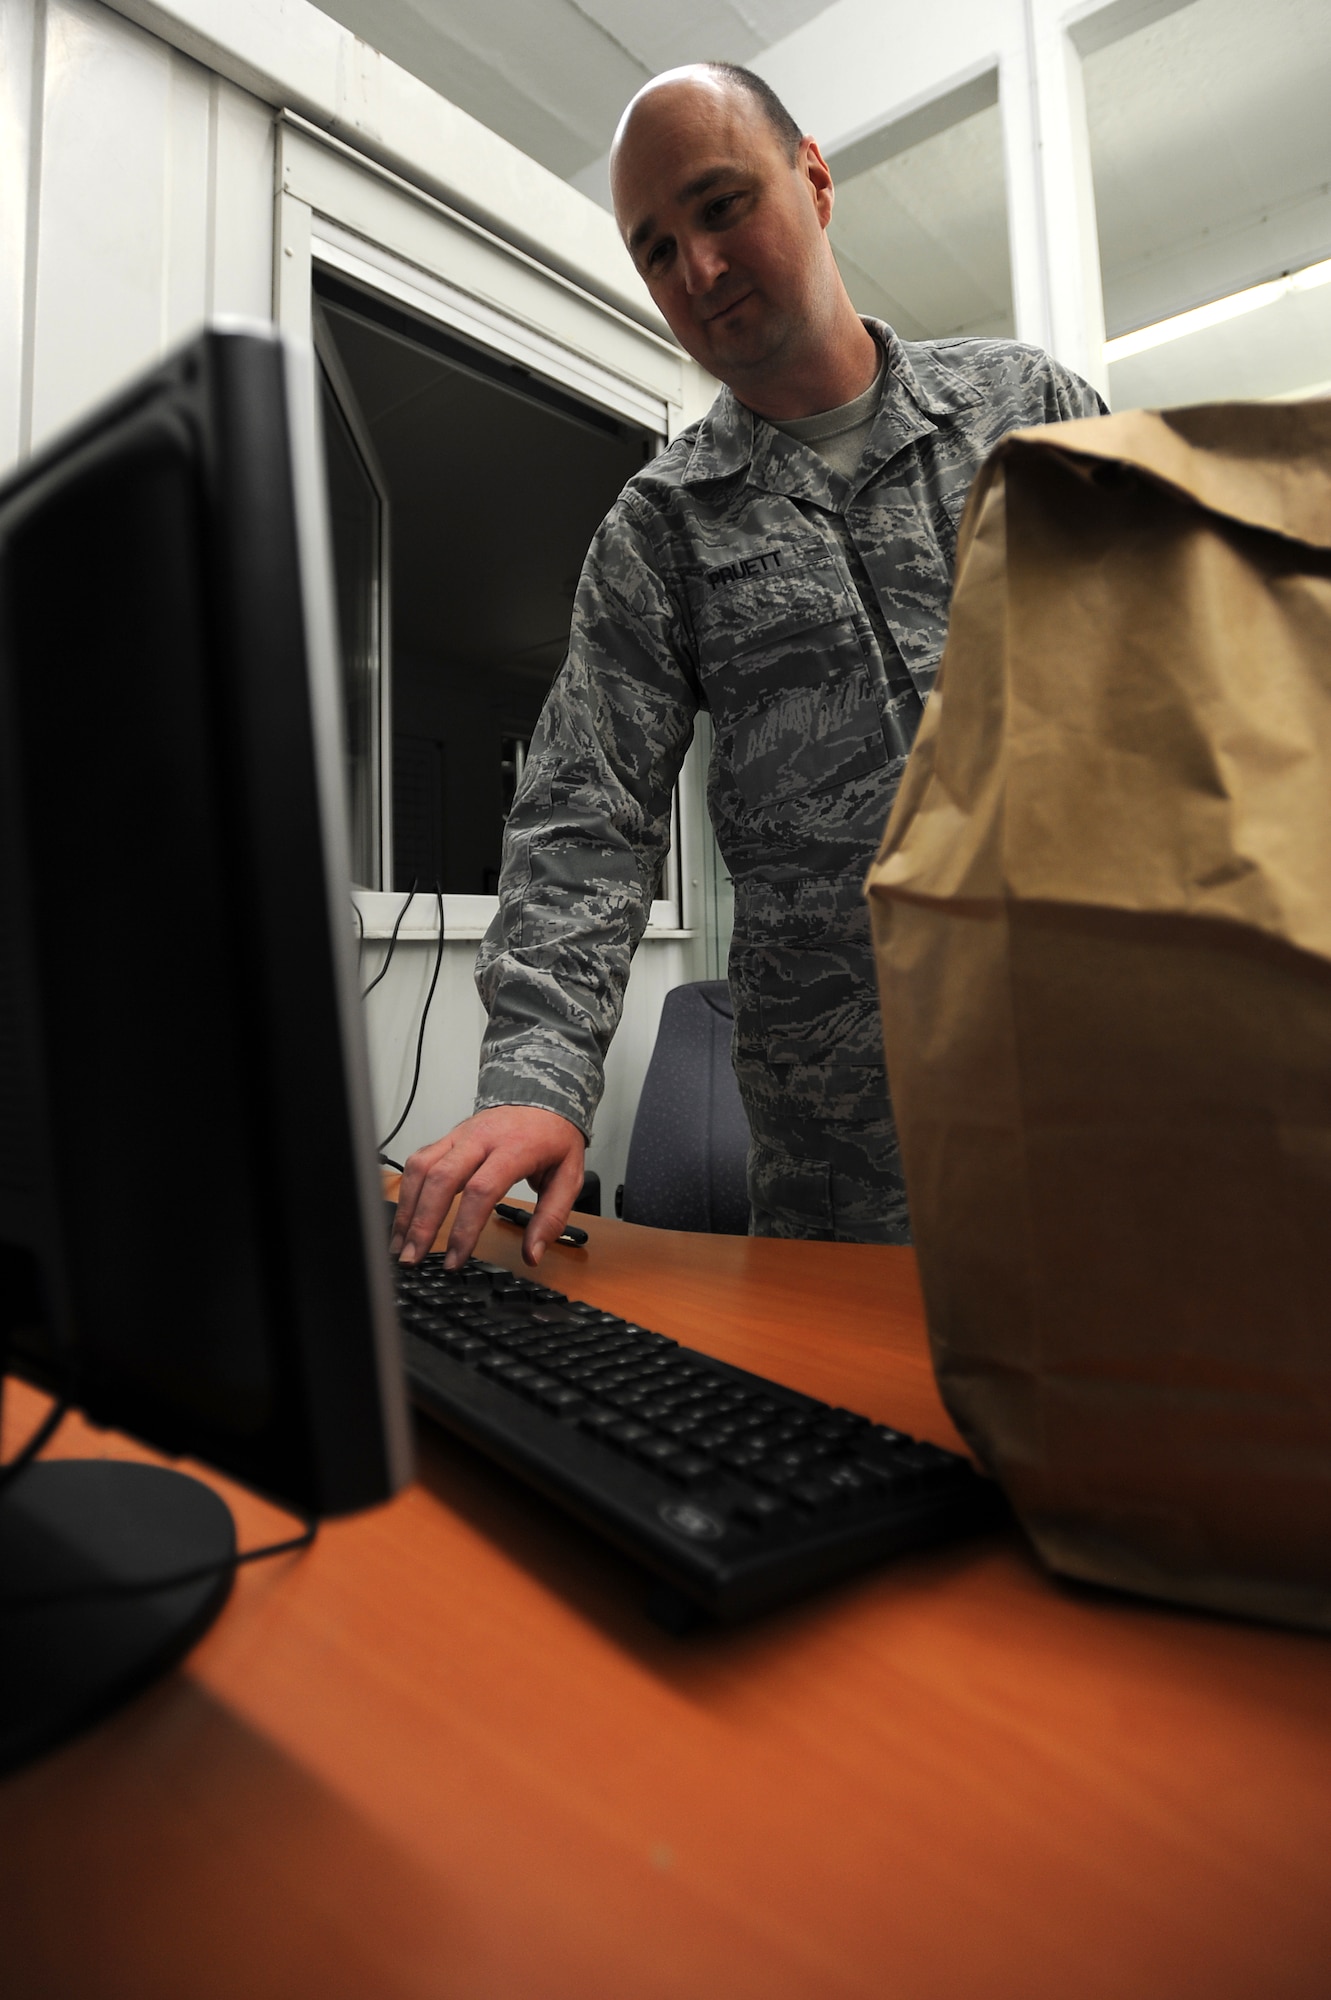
{"x":758,"y":636}
{"x":807,"y":755}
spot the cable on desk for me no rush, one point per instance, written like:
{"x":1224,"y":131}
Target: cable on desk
{"x":392,"y":942}
{"x":43,"y":1434}
{"x":39,"y":1600}
{"x":420,"y":1038}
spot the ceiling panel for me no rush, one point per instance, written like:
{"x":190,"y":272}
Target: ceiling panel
{"x":922,"y":238}
{"x":1283,"y":349}
{"x":553,"y":76}
{"x":1211,"y":149}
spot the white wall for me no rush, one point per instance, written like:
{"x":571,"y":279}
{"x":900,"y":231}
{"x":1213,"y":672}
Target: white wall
{"x":137,"y":189}
{"x":135,"y":200}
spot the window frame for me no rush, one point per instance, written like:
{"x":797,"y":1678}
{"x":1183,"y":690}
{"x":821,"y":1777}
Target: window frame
{"x":330,"y":361}
{"x":336,"y":209}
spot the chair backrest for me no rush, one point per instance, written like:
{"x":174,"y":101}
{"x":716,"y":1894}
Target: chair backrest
{"x":688,"y":1156}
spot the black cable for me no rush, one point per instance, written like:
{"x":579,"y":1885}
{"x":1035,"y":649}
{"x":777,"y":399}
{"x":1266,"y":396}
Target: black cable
{"x":396,"y":1165}
{"x":392,"y":942}
{"x":425,"y":1015}
{"x":44,"y":1432}
{"x":37,"y":1600}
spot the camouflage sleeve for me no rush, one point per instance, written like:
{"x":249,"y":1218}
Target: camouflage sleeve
{"x":588,"y":833}
{"x":1067,"y":396}
{"x":1029,"y":386}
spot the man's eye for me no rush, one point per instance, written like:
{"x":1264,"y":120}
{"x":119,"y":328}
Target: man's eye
{"x":657,"y":255}
{"x":718,"y":210}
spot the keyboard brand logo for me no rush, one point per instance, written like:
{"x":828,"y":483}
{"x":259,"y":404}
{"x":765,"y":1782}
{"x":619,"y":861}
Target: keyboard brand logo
{"x":695,"y":1522}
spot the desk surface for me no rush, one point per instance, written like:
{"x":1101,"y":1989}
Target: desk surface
{"x":443,"y":1754}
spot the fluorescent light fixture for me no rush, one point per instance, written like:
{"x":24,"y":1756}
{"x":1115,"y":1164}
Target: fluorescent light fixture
{"x":1217,"y":311}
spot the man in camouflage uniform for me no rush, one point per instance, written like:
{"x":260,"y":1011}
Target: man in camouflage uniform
{"x":790,"y":573}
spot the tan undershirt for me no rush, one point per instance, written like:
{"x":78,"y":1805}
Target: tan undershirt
{"x":839,"y":435}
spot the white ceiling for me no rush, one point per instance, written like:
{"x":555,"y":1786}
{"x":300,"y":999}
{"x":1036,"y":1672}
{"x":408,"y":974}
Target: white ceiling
{"x":554,"y":75}
{"x":922,"y":238}
{"x":1284,"y":349}
{"x":1210,"y":136}
{"x":1211,"y":146}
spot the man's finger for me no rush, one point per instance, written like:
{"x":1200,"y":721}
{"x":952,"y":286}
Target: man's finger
{"x":558,"y":1192}
{"x":489,"y":1184}
{"x":409,"y":1188}
{"x":443,"y":1170}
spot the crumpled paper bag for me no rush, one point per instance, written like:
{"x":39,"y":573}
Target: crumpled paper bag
{"x":1102,"y":917}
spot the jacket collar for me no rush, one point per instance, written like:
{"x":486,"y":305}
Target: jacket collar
{"x":919,"y":395}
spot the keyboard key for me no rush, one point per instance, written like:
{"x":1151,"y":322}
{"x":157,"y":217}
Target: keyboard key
{"x":680,"y":1427}
{"x":536,"y":1385}
{"x":819,"y":1494}
{"x":795,"y":1456}
{"x":767,"y":1474}
{"x":505,"y":1369}
{"x":759,"y":1510}
{"x":655,"y":1451}
{"x":688,"y":1465}
{"x":626,"y":1433}
{"x":564,"y":1402}
{"x":849,"y":1479}
{"x":632,"y":1398}
{"x":599,"y":1420}
{"x":660,"y":1406}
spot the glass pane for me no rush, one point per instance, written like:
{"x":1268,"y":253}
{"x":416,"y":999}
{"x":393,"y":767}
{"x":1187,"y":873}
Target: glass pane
{"x":357,"y":541}
{"x":496,"y":484}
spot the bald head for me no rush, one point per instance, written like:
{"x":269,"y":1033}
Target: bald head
{"x":724,"y":207}
{"x":721,"y":77}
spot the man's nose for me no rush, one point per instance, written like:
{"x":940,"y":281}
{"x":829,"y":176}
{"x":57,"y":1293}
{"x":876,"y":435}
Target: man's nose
{"x":704,"y":263}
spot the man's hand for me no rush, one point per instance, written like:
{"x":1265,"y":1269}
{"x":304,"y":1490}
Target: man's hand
{"x":485,"y":1155}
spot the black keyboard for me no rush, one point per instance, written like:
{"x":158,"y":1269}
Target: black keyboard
{"x":737,"y":1492}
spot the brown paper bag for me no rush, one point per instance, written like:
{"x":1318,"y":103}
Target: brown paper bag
{"x":1102,"y":913}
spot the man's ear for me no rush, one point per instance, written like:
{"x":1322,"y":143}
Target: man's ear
{"x":814,"y":169}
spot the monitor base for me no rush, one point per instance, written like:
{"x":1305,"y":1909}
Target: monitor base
{"x":72,"y":1527}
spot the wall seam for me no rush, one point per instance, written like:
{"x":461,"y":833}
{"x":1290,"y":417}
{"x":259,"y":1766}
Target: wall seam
{"x":1040,"y":192}
{"x":32,"y":229}
{"x":210,"y":198}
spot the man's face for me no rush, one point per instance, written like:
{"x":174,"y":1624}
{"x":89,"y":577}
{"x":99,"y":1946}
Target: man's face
{"x":726,"y":232}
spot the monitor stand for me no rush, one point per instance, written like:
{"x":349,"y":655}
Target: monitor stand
{"x":73,"y":1527}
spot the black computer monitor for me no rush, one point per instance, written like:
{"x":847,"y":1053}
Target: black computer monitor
{"x":191,"y":1236}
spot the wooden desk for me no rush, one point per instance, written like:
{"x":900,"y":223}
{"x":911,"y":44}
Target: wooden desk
{"x":444,"y":1755}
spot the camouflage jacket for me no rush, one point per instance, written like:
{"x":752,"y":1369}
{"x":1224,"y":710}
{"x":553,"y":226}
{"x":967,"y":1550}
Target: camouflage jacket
{"x":740,"y":574}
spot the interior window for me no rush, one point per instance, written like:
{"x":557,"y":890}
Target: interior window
{"x":495,"y":482}
{"x":357,"y":516}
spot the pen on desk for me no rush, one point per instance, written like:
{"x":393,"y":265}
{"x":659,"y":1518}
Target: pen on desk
{"x":522,"y":1216}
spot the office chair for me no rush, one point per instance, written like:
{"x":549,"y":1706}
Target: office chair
{"x":688,"y":1155}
